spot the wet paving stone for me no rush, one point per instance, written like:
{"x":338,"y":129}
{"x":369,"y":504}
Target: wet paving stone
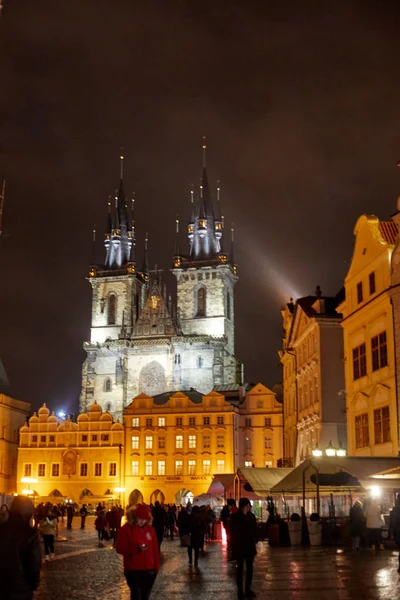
{"x":82,"y":571}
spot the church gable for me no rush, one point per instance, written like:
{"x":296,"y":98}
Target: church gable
{"x":154,"y":320}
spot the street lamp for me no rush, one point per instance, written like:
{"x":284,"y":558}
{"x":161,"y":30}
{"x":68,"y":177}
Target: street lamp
{"x":341,"y":451}
{"x":317,"y":451}
{"x":119,"y":490}
{"x":28,"y":480}
{"x":330,"y":450}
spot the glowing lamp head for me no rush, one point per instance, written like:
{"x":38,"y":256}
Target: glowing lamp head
{"x":330,"y":450}
{"x":341,"y":451}
{"x":317,"y":451}
{"x":375,"y":491}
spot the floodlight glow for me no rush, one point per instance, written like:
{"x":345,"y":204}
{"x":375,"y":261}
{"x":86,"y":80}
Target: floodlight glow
{"x":29,"y":480}
{"x":27,"y":492}
{"x":375,"y":491}
{"x":119,"y":490}
{"x":61,"y":414}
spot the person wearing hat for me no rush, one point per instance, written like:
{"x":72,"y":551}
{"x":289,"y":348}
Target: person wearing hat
{"x":137,"y":542}
{"x":20,"y":558}
{"x":244,"y":539}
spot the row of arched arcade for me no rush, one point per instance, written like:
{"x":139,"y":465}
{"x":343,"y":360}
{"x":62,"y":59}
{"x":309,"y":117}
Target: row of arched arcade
{"x":182,"y":497}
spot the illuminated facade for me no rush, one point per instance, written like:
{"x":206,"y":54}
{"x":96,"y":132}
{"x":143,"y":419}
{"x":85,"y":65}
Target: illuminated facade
{"x":13,"y":414}
{"x":169,"y":447}
{"x":313,"y":378}
{"x":140,"y":342}
{"x":60,"y":459}
{"x":369,"y":343}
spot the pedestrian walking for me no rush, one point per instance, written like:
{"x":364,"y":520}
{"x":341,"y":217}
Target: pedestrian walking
{"x":20,"y":558}
{"x":244,"y":539}
{"x":228,"y":510}
{"x":100,"y":525}
{"x":394,"y":524}
{"x":159,"y":519}
{"x":197,"y":529}
{"x":356,"y":524}
{"x":374,"y":523}
{"x":47,"y":528}
{"x":70,"y":515}
{"x":137,"y":542}
{"x":171,"y":520}
{"x":83,"y":512}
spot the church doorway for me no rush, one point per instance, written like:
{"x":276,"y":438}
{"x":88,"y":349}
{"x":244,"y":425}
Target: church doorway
{"x":157,"y":495}
{"x":183,"y":497}
{"x":136,"y":497}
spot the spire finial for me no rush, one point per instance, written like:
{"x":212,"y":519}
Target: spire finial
{"x":94,"y":243}
{"x":145,"y":258}
{"x":121,"y":162}
{"x":204,"y":146}
{"x":133,"y":213}
{"x":218,"y":190}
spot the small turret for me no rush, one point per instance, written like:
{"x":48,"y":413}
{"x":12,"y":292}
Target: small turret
{"x":176,"y":261}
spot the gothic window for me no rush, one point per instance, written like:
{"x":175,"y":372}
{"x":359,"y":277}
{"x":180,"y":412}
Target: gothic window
{"x":199,"y":362}
{"x":107,"y":385}
{"x":201,"y":302}
{"x":112,"y":309}
{"x":228,"y":305}
{"x":108,"y":406}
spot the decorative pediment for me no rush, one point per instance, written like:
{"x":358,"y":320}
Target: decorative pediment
{"x":360,"y":402}
{"x":380,"y":395}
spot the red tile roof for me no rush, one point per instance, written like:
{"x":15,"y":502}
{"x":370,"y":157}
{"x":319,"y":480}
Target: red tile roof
{"x":389,"y":231}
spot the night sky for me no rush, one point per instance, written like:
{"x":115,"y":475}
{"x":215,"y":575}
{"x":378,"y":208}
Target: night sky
{"x":300,"y":105}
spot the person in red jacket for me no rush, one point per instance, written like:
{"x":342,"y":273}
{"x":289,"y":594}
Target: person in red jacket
{"x":137,"y":542}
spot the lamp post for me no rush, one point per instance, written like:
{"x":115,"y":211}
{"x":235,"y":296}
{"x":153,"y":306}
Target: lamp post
{"x":27,"y":491}
{"x":119,"y":490}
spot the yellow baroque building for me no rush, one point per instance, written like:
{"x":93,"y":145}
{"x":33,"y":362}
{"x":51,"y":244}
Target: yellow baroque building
{"x":369,"y":346}
{"x":169,"y":447}
{"x":60,"y":459}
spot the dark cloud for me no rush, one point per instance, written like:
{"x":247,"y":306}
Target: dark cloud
{"x":299,"y":101}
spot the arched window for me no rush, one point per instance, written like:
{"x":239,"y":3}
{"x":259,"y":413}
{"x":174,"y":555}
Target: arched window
{"x":107,"y":385}
{"x":112,"y":309}
{"x":228,"y":305}
{"x":201,"y":302}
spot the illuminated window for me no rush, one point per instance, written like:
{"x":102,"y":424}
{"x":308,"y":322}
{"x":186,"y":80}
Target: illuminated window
{"x":161,"y":467}
{"x":372,"y":286}
{"x":192,"y":421}
{"x":359,"y":362}
{"x":179,"y":441}
{"x":107,"y":385}
{"x":382,"y":425}
{"x":41,"y":470}
{"x":98,"y":468}
{"x":201,"y":302}
{"x":135,"y":442}
{"x":161,"y":421}
{"x":83,"y":469}
{"x":135,"y":422}
{"x":161,"y":443}
{"x":220,"y":441}
{"x":220,"y":420}
{"x":149,"y":467}
{"x":267,"y":422}
{"x":359,"y":292}
{"x":362,"y":433}
{"x":206,"y":441}
{"x":191,"y":467}
{"x":192,"y":441}
{"x":379,"y":351}
{"x":206,"y":420}
{"x":55,"y":470}
{"x":135,"y":468}
{"x":28,"y":470}
{"x":268,"y":464}
{"x":206,"y":467}
{"x":149,"y":422}
{"x":111,"y":309}
{"x":268,"y":443}
{"x":220,"y":466}
{"x":149,"y":442}
{"x":248,"y":463}
{"x":112,"y":469}
{"x":179,"y":421}
{"x":178,"y":467}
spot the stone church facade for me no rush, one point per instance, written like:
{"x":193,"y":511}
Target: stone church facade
{"x":140,"y":341}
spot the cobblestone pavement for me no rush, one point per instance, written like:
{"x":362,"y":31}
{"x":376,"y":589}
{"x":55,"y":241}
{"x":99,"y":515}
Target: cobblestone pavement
{"x":82,"y":571}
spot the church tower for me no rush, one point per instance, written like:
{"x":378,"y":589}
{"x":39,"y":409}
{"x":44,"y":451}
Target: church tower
{"x":206,"y":278}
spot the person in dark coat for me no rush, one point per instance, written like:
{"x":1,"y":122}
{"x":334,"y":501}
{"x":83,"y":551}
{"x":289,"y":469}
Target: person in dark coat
{"x":20,"y":558}
{"x":394,"y":524}
{"x":244,"y":539}
{"x":171,"y":520}
{"x":83,"y":512}
{"x":197,"y":529}
{"x":357,"y":524}
{"x":159,"y":521}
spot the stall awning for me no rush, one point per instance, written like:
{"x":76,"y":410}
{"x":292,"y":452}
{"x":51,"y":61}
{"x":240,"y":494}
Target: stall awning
{"x":263,"y":480}
{"x":221,"y":484}
{"x":361,"y":469}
